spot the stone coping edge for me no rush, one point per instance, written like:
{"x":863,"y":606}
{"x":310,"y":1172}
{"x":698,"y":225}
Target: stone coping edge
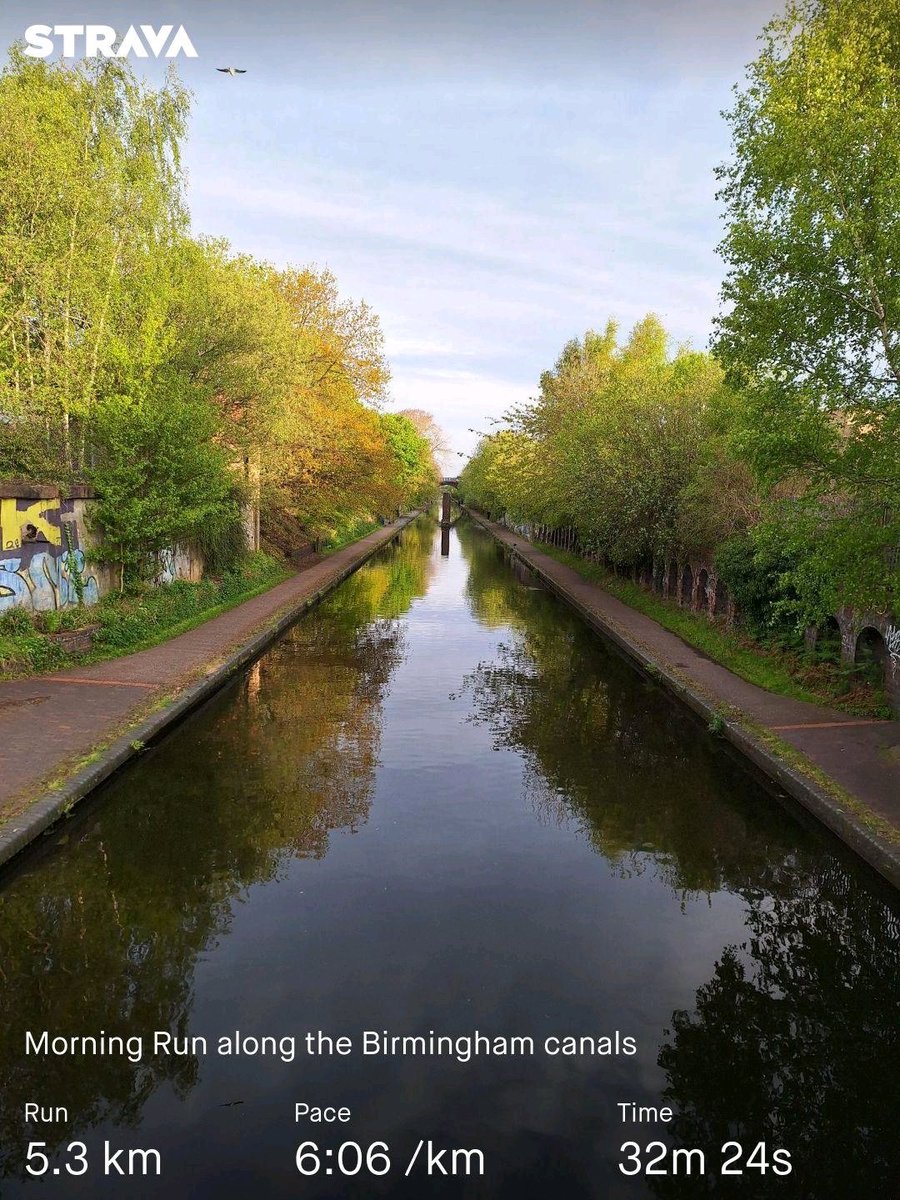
{"x":21,"y":830}
{"x":876,"y":851}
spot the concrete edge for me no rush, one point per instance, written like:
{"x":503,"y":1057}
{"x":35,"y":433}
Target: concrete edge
{"x":19,"y":831}
{"x":875,"y":850}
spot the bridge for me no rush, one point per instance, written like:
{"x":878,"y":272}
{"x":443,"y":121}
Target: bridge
{"x":448,"y":484}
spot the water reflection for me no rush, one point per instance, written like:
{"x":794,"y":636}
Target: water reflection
{"x":796,"y":1038}
{"x":609,"y":749}
{"x":544,"y":843}
{"x":106,"y":934}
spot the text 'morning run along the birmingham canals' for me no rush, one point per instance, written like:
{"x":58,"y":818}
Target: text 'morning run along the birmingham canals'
{"x":317,"y":1043}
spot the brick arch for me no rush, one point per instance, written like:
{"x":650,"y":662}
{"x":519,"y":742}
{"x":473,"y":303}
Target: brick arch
{"x":721,"y":598}
{"x":659,"y":576}
{"x":829,"y":640}
{"x":702,"y":603}
{"x":672,"y":577}
{"x":871,"y":657}
{"x":686,"y":586}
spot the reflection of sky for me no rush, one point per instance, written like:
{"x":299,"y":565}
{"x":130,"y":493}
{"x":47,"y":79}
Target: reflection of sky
{"x":493,"y":177}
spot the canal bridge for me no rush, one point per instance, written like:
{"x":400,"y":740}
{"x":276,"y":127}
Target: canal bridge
{"x":449,"y":487}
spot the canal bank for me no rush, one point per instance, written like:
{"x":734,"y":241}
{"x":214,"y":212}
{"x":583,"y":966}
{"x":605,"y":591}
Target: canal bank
{"x":850,"y":779}
{"x":62,"y":735}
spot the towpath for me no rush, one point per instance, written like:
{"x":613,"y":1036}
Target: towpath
{"x":51,"y":724}
{"x":861,"y":756}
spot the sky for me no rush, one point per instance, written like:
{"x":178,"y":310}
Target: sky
{"x":492,"y":177}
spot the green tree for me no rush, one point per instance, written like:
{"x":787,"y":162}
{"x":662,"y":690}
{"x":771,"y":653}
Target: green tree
{"x":176,"y":375}
{"x":159,"y":476}
{"x":624,"y":444}
{"x":810,"y":331}
{"x":415,"y":472}
{"x":90,"y":179}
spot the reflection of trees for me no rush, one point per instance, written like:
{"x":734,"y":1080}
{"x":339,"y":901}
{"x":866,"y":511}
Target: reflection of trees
{"x":610,"y":749}
{"x":105,"y":934}
{"x":491,"y":590}
{"x":796,"y":1041}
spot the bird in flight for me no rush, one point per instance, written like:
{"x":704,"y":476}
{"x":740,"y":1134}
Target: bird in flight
{"x":231,"y":70}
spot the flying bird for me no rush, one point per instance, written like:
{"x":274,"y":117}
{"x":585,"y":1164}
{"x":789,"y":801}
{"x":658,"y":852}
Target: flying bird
{"x":231,"y":70}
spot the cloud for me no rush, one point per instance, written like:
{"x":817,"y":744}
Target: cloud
{"x":399,"y":347}
{"x":478,"y":288}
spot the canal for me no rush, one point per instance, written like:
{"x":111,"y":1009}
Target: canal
{"x":441,"y":804}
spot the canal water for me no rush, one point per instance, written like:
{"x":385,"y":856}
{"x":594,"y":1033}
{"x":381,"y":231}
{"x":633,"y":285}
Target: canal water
{"x":440,"y":804}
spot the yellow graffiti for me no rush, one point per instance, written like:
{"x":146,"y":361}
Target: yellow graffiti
{"x":12,"y":520}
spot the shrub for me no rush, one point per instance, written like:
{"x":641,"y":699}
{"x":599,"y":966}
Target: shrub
{"x":16,"y":620}
{"x":222,"y":538}
{"x":756,"y":578}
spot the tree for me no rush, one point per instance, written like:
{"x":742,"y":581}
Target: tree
{"x":90,"y":179}
{"x":810,"y":329}
{"x":415,"y":474}
{"x":428,"y":427}
{"x":172,"y":372}
{"x":623,"y":444}
{"x":491,"y":479}
{"x":159,"y":476}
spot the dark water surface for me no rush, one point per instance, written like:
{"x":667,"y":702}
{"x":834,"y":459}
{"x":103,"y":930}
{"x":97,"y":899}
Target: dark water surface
{"x":440,"y":803}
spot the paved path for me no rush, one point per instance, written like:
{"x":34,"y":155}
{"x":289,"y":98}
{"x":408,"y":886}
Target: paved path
{"x":50,"y":721}
{"x":863,"y":756}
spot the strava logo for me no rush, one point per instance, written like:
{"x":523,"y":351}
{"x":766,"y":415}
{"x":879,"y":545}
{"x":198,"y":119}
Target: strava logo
{"x":99,"y":41}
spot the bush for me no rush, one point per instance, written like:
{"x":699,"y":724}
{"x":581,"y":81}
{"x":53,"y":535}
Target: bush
{"x":58,"y":620}
{"x":141,"y":614}
{"x":222,"y":538}
{"x":160,"y":475}
{"x":129,"y":619}
{"x":755,"y":576}
{"x":28,"y":652}
{"x":16,"y":621}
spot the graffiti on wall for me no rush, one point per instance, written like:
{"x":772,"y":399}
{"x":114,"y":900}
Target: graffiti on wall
{"x":892,"y":641}
{"x":29,"y":522}
{"x":35,"y":567}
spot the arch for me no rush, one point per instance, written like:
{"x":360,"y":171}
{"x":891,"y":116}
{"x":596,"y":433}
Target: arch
{"x":871,"y":657}
{"x":687,"y":586}
{"x":703,"y":590}
{"x":720,"y":599}
{"x":672,"y":580}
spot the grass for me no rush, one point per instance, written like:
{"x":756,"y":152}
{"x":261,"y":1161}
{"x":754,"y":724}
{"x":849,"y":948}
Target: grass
{"x":130,"y":621}
{"x":352,"y":533}
{"x":805,"y":766}
{"x":784,"y":670}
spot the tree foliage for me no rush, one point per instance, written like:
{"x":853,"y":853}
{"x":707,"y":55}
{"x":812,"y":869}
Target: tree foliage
{"x":623,"y":446}
{"x":810,"y":332}
{"x":169,"y":371}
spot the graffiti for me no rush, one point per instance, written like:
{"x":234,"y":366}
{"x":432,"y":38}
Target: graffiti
{"x":168,"y":568}
{"x":13,"y":586}
{"x":44,"y":583}
{"x":178,"y":562}
{"x":34,"y":568}
{"x":17,"y":515}
{"x":892,"y":641}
